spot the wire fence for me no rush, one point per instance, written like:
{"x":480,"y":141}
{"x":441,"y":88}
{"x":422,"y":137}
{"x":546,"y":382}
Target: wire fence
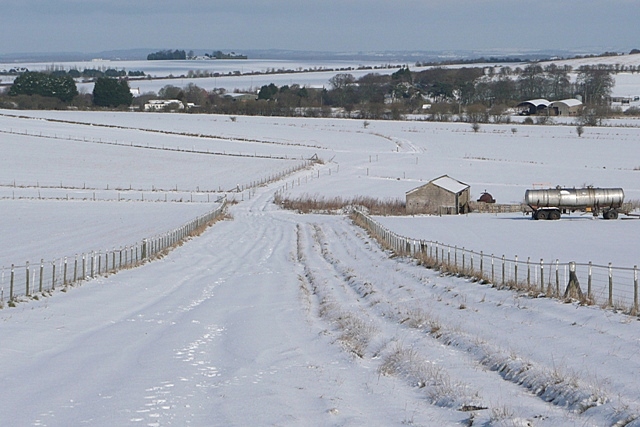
{"x":31,"y":280}
{"x":604,"y":285}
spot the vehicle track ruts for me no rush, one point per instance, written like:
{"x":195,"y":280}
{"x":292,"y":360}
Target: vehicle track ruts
{"x":402,"y":301}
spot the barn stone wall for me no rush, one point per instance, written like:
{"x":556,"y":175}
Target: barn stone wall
{"x":429,"y":199}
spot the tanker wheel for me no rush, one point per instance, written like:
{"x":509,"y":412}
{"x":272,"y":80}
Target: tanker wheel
{"x":554,"y":214}
{"x":610,"y":214}
{"x":541,"y":214}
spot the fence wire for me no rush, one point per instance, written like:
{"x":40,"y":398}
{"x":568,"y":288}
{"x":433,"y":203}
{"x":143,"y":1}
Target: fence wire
{"x":604,"y":285}
{"x":19,"y":281}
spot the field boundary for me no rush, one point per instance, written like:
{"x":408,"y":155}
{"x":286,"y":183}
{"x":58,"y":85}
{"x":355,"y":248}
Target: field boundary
{"x":606,"y":285}
{"x":30,"y":281}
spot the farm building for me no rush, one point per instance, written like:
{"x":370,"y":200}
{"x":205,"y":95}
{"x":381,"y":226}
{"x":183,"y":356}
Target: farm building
{"x":566,"y":107}
{"x":162,"y":104}
{"x":533,"y":107}
{"x":443,"y":195}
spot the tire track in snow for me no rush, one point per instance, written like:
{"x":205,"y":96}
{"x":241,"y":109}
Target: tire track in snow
{"x":338,"y":249}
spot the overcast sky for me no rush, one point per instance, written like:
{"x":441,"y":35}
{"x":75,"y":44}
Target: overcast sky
{"x":318,"y":25}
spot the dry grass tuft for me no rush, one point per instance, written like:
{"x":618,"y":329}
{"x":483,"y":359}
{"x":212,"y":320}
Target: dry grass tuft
{"x":319,"y":204}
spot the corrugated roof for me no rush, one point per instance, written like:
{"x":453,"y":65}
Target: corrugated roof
{"x":568,"y":102}
{"x":536,"y":102}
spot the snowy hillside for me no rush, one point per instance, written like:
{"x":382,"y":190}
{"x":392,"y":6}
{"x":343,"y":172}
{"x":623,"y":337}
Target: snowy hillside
{"x":276,"y":318}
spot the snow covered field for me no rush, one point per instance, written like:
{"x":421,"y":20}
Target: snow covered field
{"x":277,"y":318}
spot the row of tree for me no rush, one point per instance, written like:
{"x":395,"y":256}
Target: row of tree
{"x":167,"y":54}
{"x":107,"y":91}
{"x":480,"y":93}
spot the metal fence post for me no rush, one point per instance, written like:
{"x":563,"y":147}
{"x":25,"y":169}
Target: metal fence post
{"x":541,"y":275}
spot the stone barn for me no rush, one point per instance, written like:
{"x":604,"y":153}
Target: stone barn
{"x":443,"y":195}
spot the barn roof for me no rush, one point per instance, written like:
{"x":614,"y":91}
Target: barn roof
{"x":446,"y":183}
{"x":568,"y":102}
{"x":535,"y":102}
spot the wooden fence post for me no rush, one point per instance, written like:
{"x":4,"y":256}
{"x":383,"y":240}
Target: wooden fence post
{"x":41,"y":272}
{"x":493,"y":280}
{"x":589,"y":294}
{"x":635,"y":289}
{"x":27,"y":281}
{"x":557,"y":278}
{"x":610,"y":286}
{"x":11,"y":285}
{"x":463,"y":253}
{"x":64,"y":280}
{"x":53,"y":275}
{"x":515,"y":271}
{"x":541,"y":275}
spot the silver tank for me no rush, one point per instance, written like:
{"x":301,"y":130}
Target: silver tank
{"x":578,"y":198}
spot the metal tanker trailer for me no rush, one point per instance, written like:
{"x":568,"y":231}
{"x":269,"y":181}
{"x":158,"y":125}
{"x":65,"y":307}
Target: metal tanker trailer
{"x":550,"y":203}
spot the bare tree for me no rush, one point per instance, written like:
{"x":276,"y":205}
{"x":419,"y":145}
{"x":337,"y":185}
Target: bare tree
{"x":595,"y":84}
{"x":342,"y":80}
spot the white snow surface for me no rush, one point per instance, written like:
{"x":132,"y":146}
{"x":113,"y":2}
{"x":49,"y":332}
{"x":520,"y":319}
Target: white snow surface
{"x":276,"y":318}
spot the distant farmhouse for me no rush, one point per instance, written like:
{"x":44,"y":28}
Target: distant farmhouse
{"x":442,"y":195}
{"x":164,"y":105}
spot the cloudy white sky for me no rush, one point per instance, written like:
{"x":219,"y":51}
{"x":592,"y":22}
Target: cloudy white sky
{"x":317,"y":25}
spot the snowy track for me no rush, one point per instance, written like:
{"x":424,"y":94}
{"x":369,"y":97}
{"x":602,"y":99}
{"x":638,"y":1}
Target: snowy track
{"x":275,"y":318}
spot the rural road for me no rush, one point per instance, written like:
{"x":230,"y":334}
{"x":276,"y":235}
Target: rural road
{"x":275,"y":318}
